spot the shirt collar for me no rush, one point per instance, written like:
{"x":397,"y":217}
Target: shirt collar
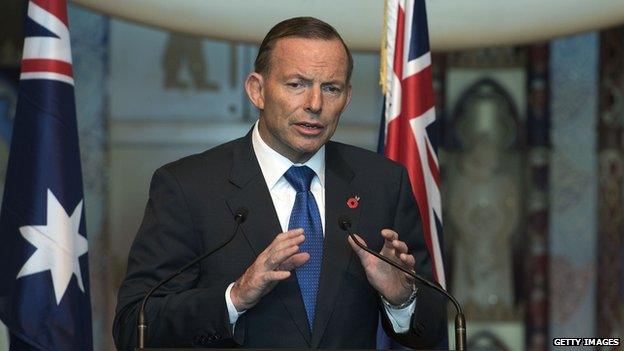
{"x":273,"y":165}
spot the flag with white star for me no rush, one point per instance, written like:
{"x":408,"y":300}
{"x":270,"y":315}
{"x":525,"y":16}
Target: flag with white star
{"x":44,"y":274}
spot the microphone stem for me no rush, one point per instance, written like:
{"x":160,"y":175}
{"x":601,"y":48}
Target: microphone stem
{"x":142,"y":323}
{"x":460,"y":320}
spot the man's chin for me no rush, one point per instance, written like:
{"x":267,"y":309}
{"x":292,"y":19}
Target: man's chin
{"x":305,"y":153}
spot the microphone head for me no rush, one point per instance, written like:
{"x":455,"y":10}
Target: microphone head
{"x":344,"y":222}
{"x":241,"y":214}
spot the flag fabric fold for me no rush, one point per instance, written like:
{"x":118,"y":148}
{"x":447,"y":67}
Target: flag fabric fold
{"x":408,"y":125}
{"x":409,"y":115}
{"x":44,"y":275}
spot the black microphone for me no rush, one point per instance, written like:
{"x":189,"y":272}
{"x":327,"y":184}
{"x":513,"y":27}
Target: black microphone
{"x":239,"y":217}
{"x":344,"y":222}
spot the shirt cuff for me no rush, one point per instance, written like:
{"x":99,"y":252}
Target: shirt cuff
{"x":400,"y":318}
{"x":232,"y":312}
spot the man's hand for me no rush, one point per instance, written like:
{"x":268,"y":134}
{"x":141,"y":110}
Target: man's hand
{"x":394,"y":285}
{"x":272,"y":266}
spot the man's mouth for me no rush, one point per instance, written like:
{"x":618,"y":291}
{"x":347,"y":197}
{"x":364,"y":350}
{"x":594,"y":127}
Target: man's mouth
{"x":310,"y":125}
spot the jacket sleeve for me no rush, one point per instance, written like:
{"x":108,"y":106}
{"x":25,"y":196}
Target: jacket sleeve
{"x":428,"y":322}
{"x":179,"y":313}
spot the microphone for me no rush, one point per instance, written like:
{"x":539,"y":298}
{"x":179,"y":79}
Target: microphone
{"x":344,"y":222}
{"x":239,"y":217}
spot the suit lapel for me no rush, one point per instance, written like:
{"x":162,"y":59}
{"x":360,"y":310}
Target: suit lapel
{"x":336,"y":251}
{"x":262,"y":224}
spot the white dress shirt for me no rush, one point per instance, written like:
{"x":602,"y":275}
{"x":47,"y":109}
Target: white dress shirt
{"x":273,"y":166}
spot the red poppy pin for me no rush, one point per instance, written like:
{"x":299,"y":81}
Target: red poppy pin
{"x":353,"y":202}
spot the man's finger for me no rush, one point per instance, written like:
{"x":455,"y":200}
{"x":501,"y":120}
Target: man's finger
{"x":270,"y":257}
{"x":409,"y":260}
{"x":288,"y":235}
{"x":277,"y":258}
{"x":287,"y":242}
{"x":274,"y":276}
{"x":390,"y":235}
{"x":400,"y":246}
{"x":295,"y":261}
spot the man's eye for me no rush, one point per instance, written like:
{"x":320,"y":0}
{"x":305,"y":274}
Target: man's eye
{"x":294,"y":84}
{"x":332,"y":89}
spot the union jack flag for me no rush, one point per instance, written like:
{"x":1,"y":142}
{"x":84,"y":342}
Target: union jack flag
{"x":47,"y":50}
{"x":409,"y":115}
{"x":44,"y":274}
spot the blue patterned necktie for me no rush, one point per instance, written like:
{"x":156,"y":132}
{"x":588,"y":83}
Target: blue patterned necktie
{"x":305,"y":214}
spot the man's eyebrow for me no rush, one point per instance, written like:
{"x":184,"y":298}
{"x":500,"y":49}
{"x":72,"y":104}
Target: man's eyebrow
{"x":308,"y":79}
{"x":299,"y":76}
{"x":335,"y":82}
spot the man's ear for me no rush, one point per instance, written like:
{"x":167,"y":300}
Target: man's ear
{"x":254,"y":86}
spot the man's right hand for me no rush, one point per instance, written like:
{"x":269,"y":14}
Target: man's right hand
{"x":273,"y":265}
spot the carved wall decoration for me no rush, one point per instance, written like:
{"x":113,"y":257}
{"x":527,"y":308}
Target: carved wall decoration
{"x":483,"y":174}
{"x":485,"y":205}
{"x":184,"y":54}
{"x":173,"y":77}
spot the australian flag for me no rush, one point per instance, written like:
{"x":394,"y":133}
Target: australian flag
{"x":44,"y":274}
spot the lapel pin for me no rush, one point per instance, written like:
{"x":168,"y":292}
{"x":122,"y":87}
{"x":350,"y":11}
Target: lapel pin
{"x":353,"y":202}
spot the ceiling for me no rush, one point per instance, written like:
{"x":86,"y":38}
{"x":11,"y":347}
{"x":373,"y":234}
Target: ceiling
{"x":453,"y":24}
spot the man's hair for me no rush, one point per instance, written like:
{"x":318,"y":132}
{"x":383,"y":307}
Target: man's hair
{"x":297,"y":27}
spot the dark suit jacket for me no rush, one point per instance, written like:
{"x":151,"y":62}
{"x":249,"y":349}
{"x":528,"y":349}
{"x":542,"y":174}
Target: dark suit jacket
{"x":190,"y":211}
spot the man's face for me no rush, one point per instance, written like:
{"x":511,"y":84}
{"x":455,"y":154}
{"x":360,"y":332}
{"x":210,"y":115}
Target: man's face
{"x":302,"y":96}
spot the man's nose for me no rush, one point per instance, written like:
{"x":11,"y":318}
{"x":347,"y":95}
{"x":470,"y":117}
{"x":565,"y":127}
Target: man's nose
{"x":315,"y":100}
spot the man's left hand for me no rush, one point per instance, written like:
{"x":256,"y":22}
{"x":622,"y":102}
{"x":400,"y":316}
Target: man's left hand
{"x":394,"y":285}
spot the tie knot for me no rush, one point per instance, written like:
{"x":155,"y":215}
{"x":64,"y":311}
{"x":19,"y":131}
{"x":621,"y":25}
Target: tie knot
{"x":300,"y":177}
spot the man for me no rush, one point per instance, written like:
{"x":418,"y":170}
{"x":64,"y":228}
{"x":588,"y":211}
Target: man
{"x":290,"y":278}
